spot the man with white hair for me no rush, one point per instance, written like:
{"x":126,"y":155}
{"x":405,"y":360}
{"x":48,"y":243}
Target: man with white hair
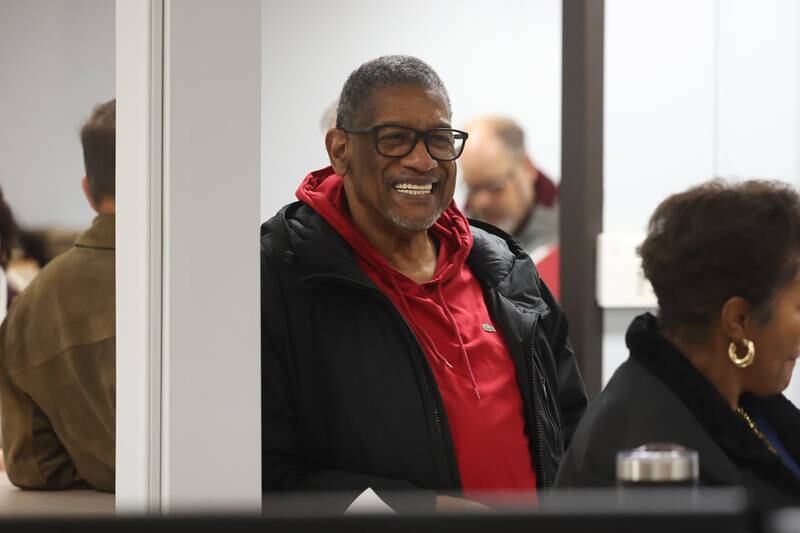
{"x":506,"y":189}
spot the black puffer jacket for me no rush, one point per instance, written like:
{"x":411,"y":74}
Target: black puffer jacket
{"x":348,"y":398}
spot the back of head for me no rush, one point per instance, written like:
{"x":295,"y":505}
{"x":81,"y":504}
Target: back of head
{"x":98,"y":137}
{"x":504,"y":130}
{"x":717,"y":241}
{"x":385,"y":71}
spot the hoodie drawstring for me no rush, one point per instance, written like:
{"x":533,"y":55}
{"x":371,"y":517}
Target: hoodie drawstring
{"x":460,"y":339}
{"x":431,"y":346}
{"x":410,"y":317}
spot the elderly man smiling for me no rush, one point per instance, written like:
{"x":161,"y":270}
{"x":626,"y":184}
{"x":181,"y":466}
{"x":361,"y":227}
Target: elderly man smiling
{"x":403,"y":347}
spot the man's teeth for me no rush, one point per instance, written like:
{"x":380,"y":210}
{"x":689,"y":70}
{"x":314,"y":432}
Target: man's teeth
{"x":409,"y":188}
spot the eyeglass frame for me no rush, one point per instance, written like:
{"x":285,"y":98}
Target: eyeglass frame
{"x":417,"y":136}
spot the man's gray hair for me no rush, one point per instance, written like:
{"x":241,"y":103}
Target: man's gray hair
{"x":385,"y":71}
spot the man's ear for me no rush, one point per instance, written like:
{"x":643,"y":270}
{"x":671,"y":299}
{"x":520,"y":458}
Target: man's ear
{"x":338,"y":150}
{"x":736,"y":318}
{"x":88,"y":193}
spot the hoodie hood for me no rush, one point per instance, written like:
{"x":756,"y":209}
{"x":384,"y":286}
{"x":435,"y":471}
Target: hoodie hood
{"x":323,"y":190}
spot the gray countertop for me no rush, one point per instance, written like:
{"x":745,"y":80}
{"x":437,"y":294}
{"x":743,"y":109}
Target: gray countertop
{"x":38,"y":503}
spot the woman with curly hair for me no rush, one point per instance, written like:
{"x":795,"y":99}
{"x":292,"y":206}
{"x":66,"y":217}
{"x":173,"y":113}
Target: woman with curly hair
{"x":708,"y":371}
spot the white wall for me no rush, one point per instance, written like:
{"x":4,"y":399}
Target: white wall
{"x":56,"y":63}
{"x":694,"y":89}
{"x":758,"y":118}
{"x":139,"y":255}
{"x":494,"y":57}
{"x":659,"y":105}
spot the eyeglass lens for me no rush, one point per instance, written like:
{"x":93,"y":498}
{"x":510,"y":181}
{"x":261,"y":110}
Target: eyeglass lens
{"x":398,"y":141}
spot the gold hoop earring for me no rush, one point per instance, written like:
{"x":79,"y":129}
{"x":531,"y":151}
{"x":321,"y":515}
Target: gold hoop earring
{"x":749,"y":357}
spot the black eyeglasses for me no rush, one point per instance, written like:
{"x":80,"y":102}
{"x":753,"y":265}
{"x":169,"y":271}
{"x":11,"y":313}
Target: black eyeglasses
{"x":443,"y":144}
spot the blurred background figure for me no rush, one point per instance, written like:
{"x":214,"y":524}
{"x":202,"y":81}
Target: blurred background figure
{"x":8,"y":235}
{"x":505,"y":188}
{"x":328,"y":119}
{"x":35,"y":247}
{"x":24,"y":251}
{"x":708,"y":373}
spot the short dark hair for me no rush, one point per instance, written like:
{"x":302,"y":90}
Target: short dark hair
{"x":720,"y":240}
{"x":98,"y":137}
{"x":385,"y":71}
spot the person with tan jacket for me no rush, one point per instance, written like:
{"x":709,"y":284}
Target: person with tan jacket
{"x":58,"y":347}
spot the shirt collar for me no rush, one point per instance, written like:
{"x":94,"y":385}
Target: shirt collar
{"x":100,"y":234}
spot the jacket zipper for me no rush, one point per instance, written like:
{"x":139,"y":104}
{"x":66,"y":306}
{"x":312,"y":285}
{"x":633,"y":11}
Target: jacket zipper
{"x":549,"y":409}
{"x":437,"y":420}
{"x":436,"y":407}
{"x":538,"y":461}
{"x":437,"y":411}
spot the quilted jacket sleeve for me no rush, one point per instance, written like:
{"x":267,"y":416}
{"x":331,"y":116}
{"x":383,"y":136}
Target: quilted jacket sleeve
{"x":572,"y":398}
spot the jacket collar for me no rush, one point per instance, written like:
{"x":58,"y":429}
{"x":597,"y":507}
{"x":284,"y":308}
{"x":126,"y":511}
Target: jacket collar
{"x":320,"y":254}
{"x":663,"y":360}
{"x":99,"y":235}
{"x":501,"y":263}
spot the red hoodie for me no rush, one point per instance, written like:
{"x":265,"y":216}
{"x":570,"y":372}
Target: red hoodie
{"x":468,"y":356}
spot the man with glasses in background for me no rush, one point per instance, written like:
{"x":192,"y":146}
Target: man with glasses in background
{"x":506,"y":189}
{"x":402,"y":347}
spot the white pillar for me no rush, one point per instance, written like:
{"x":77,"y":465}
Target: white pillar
{"x":139,"y":212}
{"x":197,"y":275}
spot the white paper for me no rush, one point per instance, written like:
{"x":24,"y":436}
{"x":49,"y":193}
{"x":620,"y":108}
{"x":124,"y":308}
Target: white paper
{"x":369,"y":503}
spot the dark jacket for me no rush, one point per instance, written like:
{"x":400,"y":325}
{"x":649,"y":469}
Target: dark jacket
{"x":348,"y":398}
{"x":658,"y":396}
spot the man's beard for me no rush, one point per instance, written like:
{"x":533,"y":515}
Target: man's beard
{"x":413,"y":224}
